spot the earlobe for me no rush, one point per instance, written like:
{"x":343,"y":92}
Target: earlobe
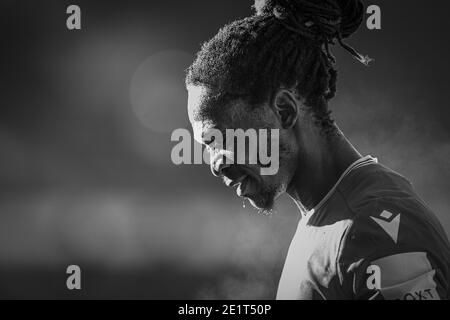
{"x":286,"y":107}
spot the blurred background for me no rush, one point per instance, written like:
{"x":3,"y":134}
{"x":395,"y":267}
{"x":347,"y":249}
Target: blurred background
{"x":86,"y":176}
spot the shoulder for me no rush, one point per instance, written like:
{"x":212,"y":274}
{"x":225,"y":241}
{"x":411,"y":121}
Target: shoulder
{"x":385,"y":208}
{"x":387,"y":217}
{"x":394,"y":231}
{"x":387,"y":255}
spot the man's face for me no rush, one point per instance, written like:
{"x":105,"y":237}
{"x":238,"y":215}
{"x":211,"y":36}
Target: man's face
{"x":260,"y":189}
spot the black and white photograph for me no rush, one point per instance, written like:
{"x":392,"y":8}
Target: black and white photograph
{"x":240,"y":150}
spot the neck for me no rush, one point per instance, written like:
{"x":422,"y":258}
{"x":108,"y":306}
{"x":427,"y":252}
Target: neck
{"x":320,"y":167}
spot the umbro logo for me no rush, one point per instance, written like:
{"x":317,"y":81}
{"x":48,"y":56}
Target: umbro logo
{"x":389,"y":224}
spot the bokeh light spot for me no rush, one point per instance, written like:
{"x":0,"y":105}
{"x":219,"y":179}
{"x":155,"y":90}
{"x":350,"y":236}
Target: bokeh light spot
{"x":157,"y":91}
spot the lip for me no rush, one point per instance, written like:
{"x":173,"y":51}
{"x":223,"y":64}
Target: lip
{"x":244,"y":183}
{"x":235,"y":182}
{"x":241,"y":190}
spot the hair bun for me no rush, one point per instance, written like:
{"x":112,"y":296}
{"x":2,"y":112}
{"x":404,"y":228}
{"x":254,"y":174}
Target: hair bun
{"x":352,"y":15}
{"x":349,"y":12}
{"x":320,"y":20}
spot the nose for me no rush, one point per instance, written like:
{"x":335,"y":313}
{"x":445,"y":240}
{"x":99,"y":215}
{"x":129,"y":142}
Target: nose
{"x":218,"y":162}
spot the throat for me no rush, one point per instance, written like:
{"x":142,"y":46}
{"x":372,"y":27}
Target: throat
{"x":319,"y":171}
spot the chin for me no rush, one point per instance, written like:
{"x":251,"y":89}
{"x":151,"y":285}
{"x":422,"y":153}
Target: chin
{"x":262,"y":202}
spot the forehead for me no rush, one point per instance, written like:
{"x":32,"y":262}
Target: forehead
{"x":206,"y":112}
{"x":197,"y":100}
{"x":198,"y":97}
{"x":206,"y":106}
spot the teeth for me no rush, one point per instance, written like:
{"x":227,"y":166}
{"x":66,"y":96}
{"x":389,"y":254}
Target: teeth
{"x":240,"y":189}
{"x":234,"y":183}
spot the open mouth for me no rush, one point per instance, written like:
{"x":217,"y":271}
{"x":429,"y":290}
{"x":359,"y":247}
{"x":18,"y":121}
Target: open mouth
{"x":242,"y":185}
{"x":244,"y":181}
{"x":242,"y":189}
{"x":234,"y":182}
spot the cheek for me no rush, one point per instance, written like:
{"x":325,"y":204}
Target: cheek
{"x":274,"y":181}
{"x":289,"y":149}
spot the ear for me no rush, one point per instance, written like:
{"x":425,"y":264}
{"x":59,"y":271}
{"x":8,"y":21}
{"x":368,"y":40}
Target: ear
{"x":286,"y":108}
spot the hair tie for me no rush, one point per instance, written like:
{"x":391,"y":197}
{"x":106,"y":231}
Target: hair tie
{"x":327,"y":31}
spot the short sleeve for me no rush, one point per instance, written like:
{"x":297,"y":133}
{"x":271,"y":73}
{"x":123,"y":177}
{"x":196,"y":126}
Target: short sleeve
{"x":378,"y":262}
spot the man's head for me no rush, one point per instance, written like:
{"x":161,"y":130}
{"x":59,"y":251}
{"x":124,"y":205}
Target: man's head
{"x":267,"y":72}
{"x":260,"y":189}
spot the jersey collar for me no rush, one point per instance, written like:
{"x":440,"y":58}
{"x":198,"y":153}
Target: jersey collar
{"x":367,"y":160}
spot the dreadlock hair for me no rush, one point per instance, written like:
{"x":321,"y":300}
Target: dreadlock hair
{"x":285,"y":44}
